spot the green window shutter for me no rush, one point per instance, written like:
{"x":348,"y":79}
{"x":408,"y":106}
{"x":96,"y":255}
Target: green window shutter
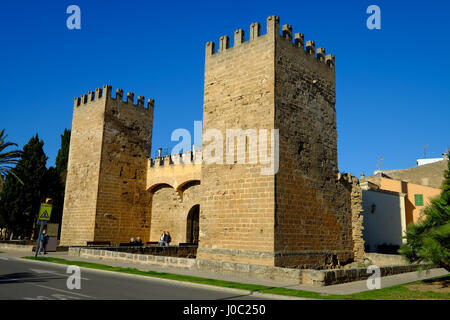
{"x":418,"y":199}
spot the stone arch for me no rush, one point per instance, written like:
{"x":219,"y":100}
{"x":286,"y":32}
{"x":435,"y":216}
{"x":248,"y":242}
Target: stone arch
{"x":155,"y":187}
{"x":170,"y":208}
{"x":190,"y":194}
{"x":185,"y":186}
{"x":188,"y":183}
{"x":165,"y":213}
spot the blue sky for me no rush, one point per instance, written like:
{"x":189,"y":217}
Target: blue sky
{"x":393,"y":84}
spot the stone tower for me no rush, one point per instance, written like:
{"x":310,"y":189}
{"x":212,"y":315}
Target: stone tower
{"x":302,"y":215}
{"x":106,"y":198}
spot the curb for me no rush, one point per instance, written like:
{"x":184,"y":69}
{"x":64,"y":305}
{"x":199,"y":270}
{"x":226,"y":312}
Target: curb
{"x":183,"y":283}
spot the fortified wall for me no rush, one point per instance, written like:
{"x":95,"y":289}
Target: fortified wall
{"x":174,"y":184}
{"x":105,"y":198}
{"x":305,"y":214}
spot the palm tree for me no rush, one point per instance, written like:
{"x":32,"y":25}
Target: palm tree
{"x":7,"y":158}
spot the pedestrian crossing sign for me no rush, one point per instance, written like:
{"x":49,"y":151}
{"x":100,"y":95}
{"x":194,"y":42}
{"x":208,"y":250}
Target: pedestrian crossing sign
{"x":45,"y":212}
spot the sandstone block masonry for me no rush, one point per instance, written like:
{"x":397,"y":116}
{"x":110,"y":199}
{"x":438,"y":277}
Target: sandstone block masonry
{"x":304,"y":214}
{"x":217,"y":270}
{"x":106,"y":198}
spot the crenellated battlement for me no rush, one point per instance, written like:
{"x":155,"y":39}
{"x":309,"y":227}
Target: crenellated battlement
{"x":189,"y":157}
{"x":106,"y":92}
{"x":346,"y":178}
{"x":272,"y":28}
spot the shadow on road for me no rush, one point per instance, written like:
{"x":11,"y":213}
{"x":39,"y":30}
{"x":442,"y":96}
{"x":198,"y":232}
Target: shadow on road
{"x":252,"y":291}
{"x":23,"y":277}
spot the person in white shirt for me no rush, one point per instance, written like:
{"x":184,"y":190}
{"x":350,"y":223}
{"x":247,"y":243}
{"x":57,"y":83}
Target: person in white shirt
{"x":161,"y":239}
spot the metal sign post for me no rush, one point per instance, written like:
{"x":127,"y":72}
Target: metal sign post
{"x":44,"y":215}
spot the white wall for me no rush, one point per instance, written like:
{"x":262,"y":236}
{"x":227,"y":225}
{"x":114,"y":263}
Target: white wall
{"x":421,"y":162}
{"x":387,"y":224}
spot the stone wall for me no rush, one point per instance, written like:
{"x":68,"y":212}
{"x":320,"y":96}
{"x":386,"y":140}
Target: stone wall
{"x":83,"y":169}
{"x":318,"y":221}
{"x":172,"y":173}
{"x":106,"y":198}
{"x":16,"y":247}
{"x":166,"y":209}
{"x":313,"y":216}
{"x":132,"y":257}
{"x":381,"y":259}
{"x":185,"y":251}
{"x":170,"y":210}
{"x":249,"y":271}
{"x":123,"y":202}
{"x":337,"y":276}
{"x":304,"y":215}
{"x":237,"y":206}
{"x":357,"y":221}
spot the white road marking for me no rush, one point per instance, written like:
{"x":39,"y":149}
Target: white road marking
{"x":64,"y":297}
{"x":40,"y":271}
{"x":38,"y":298}
{"x":56,"y":296}
{"x":60,"y":290}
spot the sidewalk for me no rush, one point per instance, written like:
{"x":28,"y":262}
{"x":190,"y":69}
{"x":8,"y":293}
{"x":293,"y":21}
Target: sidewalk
{"x":346,"y":288}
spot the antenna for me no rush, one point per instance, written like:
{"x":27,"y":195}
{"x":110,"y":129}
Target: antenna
{"x":425,"y":151}
{"x":379,"y":163}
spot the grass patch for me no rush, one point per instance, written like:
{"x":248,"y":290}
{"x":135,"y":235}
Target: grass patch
{"x":399,"y":292}
{"x":402,"y":292}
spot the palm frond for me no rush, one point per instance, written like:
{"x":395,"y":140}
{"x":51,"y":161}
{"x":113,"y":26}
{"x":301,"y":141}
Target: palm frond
{"x":8,"y":158}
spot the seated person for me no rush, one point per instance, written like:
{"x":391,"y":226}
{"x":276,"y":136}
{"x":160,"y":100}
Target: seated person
{"x":161,"y":239}
{"x":138,"y":241}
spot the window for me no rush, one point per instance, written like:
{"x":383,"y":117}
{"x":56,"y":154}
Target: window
{"x":418,"y":199}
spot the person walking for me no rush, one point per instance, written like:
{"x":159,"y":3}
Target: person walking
{"x":43,"y":242}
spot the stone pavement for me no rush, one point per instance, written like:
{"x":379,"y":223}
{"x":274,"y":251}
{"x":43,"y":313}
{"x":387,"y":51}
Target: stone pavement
{"x":345,"y":288}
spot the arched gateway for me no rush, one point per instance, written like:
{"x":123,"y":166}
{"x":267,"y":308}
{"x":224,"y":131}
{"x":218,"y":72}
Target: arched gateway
{"x":192,"y":225}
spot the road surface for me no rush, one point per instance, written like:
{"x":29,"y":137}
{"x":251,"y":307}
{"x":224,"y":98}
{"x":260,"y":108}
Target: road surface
{"x":30,"y":280}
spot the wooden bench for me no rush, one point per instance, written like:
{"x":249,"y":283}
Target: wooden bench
{"x":181,"y":244}
{"x":130,"y":244}
{"x":98,"y":243}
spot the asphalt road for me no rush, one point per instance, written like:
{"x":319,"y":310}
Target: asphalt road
{"x":29,"y":280}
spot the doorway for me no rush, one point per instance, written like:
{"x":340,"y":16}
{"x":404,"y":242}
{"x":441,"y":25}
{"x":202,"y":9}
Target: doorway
{"x":192,"y":227}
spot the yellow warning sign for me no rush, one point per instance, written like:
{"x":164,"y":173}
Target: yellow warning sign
{"x":45,"y":212}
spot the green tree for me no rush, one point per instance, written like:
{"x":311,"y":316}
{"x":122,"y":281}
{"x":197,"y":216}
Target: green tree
{"x":63,"y":155}
{"x":20,"y":202}
{"x":55,"y":180}
{"x":53,"y":187}
{"x":7,"y":158}
{"x":428,"y":240}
